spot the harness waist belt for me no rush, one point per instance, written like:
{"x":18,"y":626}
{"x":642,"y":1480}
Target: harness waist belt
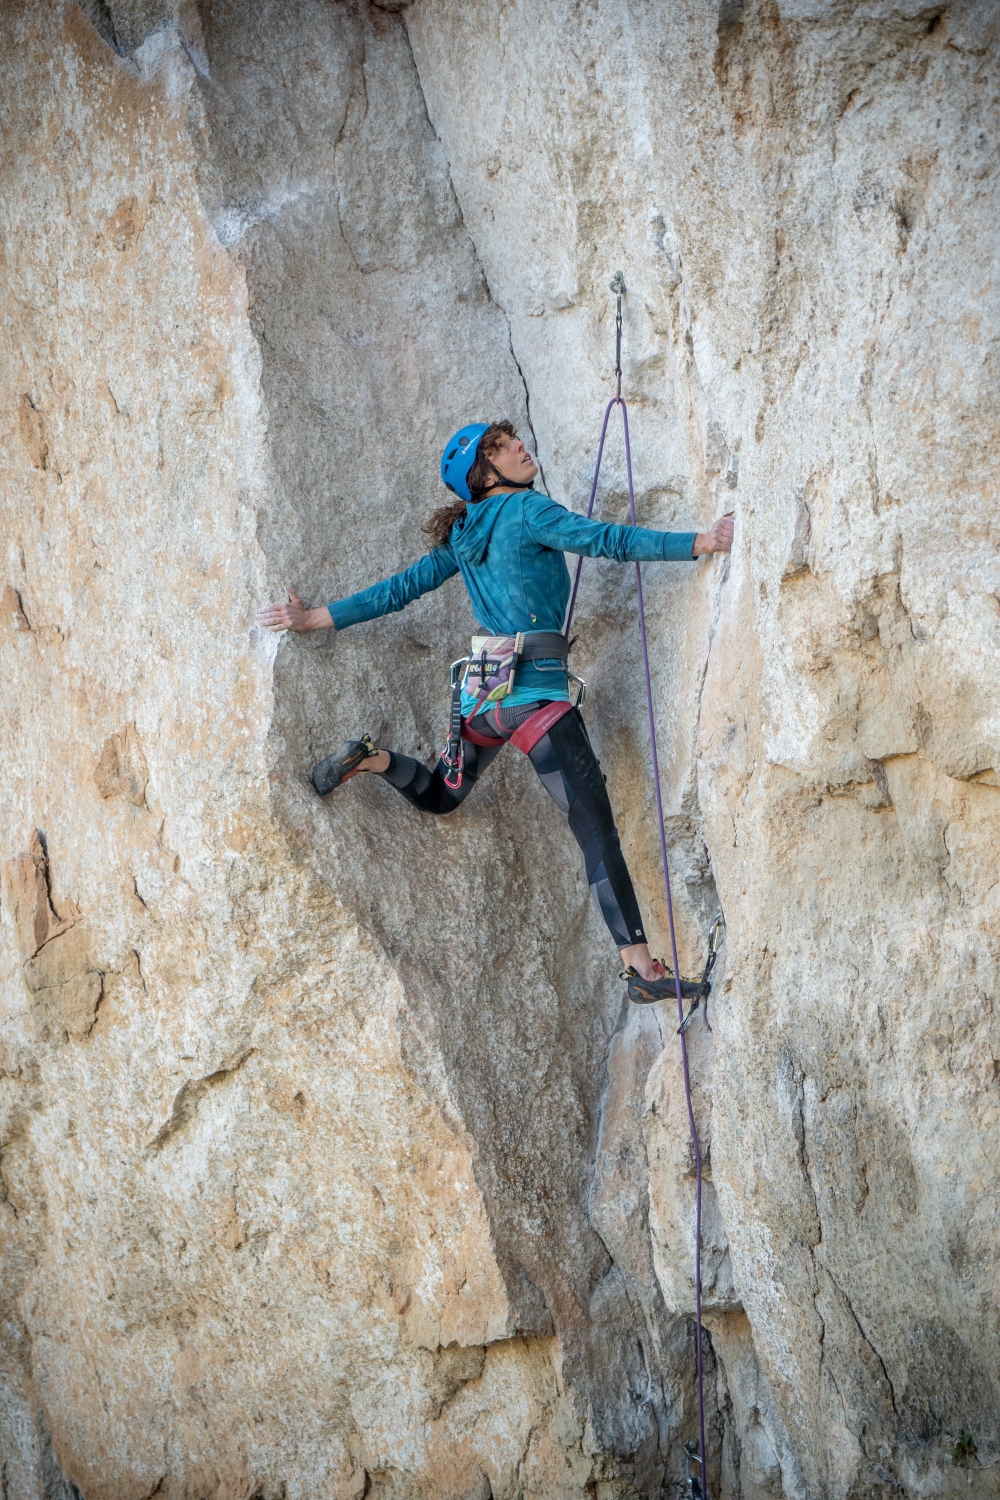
{"x":536,"y":645}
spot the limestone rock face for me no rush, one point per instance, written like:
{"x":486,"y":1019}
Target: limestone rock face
{"x":331,"y":1162}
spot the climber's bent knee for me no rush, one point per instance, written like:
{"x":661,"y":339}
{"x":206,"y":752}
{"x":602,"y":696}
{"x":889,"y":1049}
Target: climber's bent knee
{"x":427,"y":790}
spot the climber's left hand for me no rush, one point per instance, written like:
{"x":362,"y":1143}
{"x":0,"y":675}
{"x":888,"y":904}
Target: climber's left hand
{"x":719,"y":539}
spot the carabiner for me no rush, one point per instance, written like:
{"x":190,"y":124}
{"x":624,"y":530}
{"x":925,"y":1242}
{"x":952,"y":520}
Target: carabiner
{"x":693,"y":1457}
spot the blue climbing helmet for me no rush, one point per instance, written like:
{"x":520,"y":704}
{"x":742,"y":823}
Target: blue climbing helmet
{"x":458,"y":457}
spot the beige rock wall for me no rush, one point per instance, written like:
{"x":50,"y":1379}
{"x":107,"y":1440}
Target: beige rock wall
{"x":330,"y":1163}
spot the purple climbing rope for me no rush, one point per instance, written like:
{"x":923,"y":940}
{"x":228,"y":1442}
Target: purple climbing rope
{"x":617,"y":400}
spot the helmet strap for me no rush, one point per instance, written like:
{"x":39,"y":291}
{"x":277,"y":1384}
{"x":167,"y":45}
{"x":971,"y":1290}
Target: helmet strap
{"x":501,"y":480}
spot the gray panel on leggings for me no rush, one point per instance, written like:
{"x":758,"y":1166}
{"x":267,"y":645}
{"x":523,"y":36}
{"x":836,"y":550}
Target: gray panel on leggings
{"x":608,"y":906}
{"x":554,"y":783}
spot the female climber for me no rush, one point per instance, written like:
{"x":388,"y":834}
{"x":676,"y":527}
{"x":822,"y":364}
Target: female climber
{"x":507,"y":540}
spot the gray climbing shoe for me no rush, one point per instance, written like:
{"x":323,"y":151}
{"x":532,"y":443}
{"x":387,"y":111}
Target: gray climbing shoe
{"x":344,"y":763}
{"x":649,"y":991}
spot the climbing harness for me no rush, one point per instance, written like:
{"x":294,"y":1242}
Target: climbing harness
{"x":494,"y":660}
{"x":695,"y":1451}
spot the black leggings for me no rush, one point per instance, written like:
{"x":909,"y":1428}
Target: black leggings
{"x":571,"y":774}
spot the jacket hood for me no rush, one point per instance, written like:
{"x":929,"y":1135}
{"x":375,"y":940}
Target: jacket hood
{"x":470,"y":536}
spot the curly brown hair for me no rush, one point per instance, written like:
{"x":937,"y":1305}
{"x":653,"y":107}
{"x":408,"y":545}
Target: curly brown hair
{"x":482,"y":478}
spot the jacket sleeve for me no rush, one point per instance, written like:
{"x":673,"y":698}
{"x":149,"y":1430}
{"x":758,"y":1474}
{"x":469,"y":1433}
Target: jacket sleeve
{"x":552,"y":525}
{"x":398,"y":591}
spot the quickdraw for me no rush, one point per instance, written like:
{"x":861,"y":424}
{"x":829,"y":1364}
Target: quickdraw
{"x":693,"y":1457}
{"x":452,"y":752}
{"x":705,"y":988}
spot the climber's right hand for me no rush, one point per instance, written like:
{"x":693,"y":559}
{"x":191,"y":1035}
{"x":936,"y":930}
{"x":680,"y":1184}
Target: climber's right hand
{"x":719,"y":539}
{"x":294,"y":616}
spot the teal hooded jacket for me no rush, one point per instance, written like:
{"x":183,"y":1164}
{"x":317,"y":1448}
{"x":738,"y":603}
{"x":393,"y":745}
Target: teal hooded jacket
{"x":509,"y":551}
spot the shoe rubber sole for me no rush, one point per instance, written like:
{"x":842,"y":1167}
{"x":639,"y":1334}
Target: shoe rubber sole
{"x":327,"y":775}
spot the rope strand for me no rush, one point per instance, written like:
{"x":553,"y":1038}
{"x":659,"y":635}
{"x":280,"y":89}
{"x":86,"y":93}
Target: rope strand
{"x":618,"y":286}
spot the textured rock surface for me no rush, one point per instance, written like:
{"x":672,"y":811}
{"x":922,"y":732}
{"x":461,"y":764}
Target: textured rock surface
{"x":329,"y":1163}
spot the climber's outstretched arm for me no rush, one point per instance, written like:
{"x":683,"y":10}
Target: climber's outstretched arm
{"x":384,"y":598}
{"x":552,"y":525}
